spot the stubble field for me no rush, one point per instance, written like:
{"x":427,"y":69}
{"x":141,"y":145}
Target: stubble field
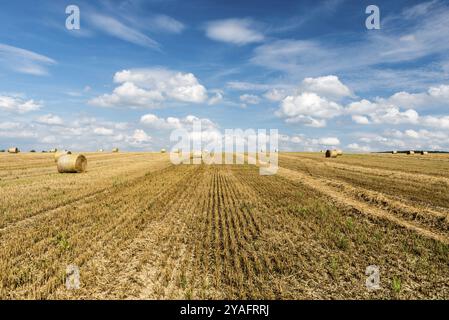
{"x":139,"y":227}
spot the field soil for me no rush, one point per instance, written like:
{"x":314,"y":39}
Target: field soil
{"x":139,"y":227}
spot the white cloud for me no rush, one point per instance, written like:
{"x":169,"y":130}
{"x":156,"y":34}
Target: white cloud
{"x":9,"y":125}
{"x":154,"y":121}
{"x":393,"y":115}
{"x":217,"y":97}
{"x":400,"y":41}
{"x":102,"y":131}
{"x":128,"y":94}
{"x":24,"y":61}
{"x":117,"y":29}
{"x":436,"y":122}
{"x":308,"y":108}
{"x":288,"y":55}
{"x":357,"y":147}
{"x":140,"y":136}
{"x":50,"y":119}
{"x":17,"y":104}
{"x":380,"y":112}
{"x":171,"y":123}
{"x":327,"y":86}
{"x":235,"y":31}
{"x":360,"y":119}
{"x":250,"y":99}
{"x":166,"y":23}
{"x":244,"y":86}
{"x":275,"y":94}
{"x":329,"y":141}
{"x":149,"y":87}
{"x":307,"y":121}
{"x":418,"y":139}
{"x":435,"y":96}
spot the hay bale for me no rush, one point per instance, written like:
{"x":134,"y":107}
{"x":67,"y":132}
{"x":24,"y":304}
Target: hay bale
{"x":100,"y":150}
{"x":163,"y":151}
{"x":424,"y":153}
{"x":59,"y":154}
{"x":339,"y":152}
{"x":410,"y":152}
{"x":115,"y":150}
{"x":13,"y":150}
{"x":394,"y":152}
{"x":331,"y":153}
{"x":72,"y":163}
{"x":53,"y":150}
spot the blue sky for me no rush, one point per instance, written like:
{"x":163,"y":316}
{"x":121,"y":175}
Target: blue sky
{"x":136,"y":70}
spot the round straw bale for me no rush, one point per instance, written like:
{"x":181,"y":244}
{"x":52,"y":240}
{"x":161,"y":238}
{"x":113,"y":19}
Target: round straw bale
{"x":410,"y":152}
{"x":394,"y":152}
{"x":115,"y":150}
{"x":13,"y":150}
{"x":72,"y":163}
{"x":53,"y":150}
{"x":331,"y":153}
{"x":339,"y":152}
{"x":163,"y":151}
{"x":61,"y":153}
{"x":424,"y":152}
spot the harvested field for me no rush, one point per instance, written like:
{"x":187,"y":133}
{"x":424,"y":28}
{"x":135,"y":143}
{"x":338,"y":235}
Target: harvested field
{"x":139,"y":227}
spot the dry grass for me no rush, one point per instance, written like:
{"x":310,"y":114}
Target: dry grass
{"x":139,"y":227}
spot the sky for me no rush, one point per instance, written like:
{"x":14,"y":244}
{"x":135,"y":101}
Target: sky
{"x":136,"y":70}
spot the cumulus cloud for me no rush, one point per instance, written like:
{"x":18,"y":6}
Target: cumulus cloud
{"x":308,"y":108}
{"x":50,"y":119}
{"x":380,"y":112}
{"x":102,"y":131}
{"x":79,"y":133}
{"x":150,"y":87}
{"x":235,"y":31}
{"x":327,"y":86}
{"x":244,"y":85}
{"x":435,"y":96}
{"x":329,"y":141}
{"x":418,"y":139}
{"x":17,"y":104}
{"x":275,"y":94}
{"x":170,"y":123}
{"x":216,"y":98}
{"x":9,"y":125}
{"x":360,"y":119}
{"x":436,"y":122}
{"x":356,"y":147}
{"x":140,"y":136}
